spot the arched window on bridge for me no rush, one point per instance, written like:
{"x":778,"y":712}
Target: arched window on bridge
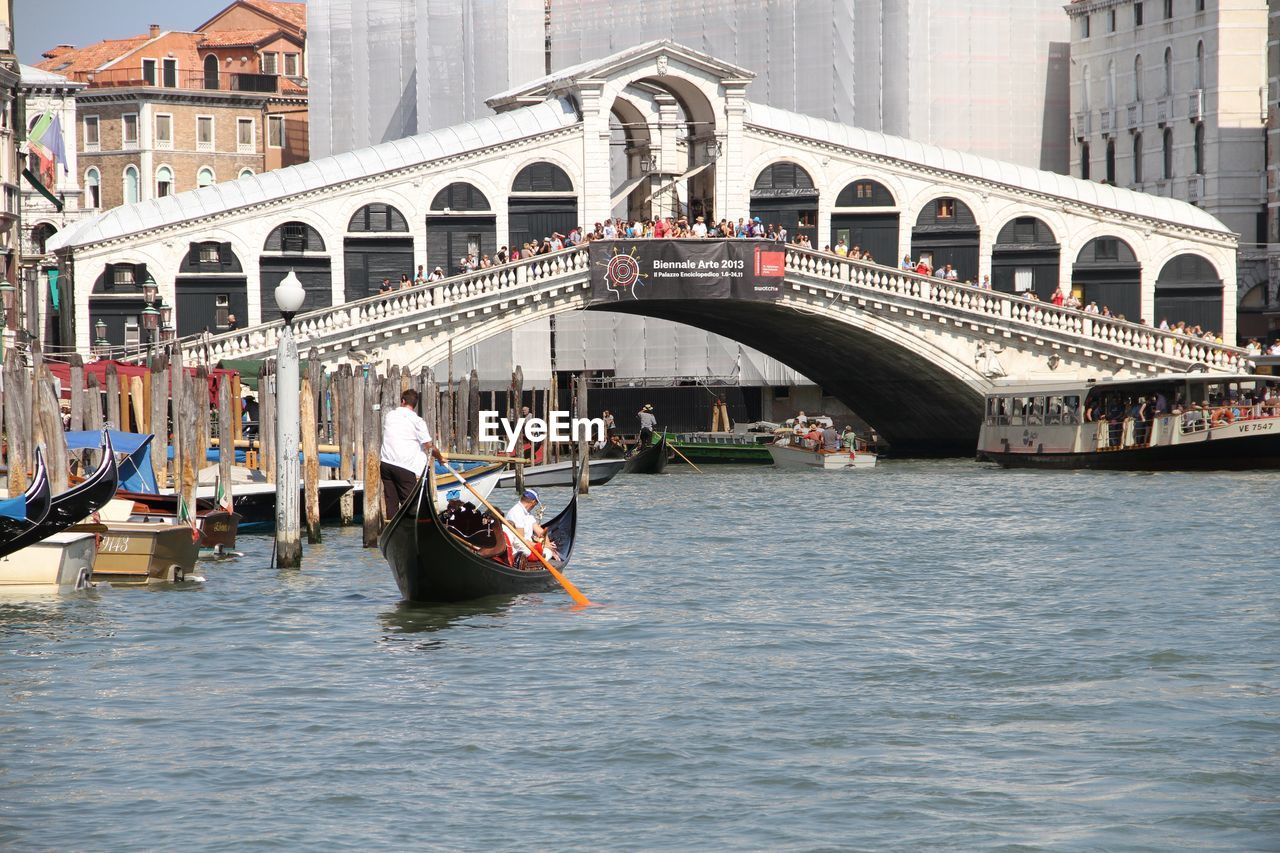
{"x":461,"y":221}
{"x":541,"y":203}
{"x":377,"y":246}
{"x":947,"y":232}
{"x":209,"y":289}
{"x":1025,"y":257}
{"x":299,"y":247}
{"x":784,"y":194}
{"x":40,"y":235}
{"x":874,"y":231}
{"x":116,"y":299}
{"x":1107,"y":272}
{"x":1189,"y":289}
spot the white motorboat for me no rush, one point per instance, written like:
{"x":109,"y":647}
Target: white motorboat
{"x":562,"y":474}
{"x":790,"y":454}
{"x":61,"y":563}
{"x":1190,"y":421}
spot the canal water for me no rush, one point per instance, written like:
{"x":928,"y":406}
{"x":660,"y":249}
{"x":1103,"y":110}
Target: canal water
{"x":926,"y":654}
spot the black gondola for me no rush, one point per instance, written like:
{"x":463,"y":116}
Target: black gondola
{"x":79,"y":502}
{"x":431,"y":565}
{"x":648,"y":460}
{"x":13,"y":531}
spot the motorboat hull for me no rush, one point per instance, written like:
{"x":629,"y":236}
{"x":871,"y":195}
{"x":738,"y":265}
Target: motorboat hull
{"x":1258,"y":451}
{"x":803,"y":458}
{"x":62,"y":562}
{"x":563,"y":474}
{"x":145,"y":552}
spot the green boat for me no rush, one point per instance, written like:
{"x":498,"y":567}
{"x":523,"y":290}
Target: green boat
{"x":724,"y":447}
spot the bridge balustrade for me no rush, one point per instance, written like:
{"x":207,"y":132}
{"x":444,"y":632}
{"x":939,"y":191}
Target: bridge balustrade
{"x":1008,"y":308}
{"x":997,"y":309}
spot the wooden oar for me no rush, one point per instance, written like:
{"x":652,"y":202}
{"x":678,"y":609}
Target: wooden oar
{"x":573,"y":591}
{"x":682,"y":456}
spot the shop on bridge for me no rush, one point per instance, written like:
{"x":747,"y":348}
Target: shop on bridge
{"x":1025,"y":258}
{"x":210,"y":287}
{"x":946,"y":232}
{"x":377,"y":246}
{"x":784,"y":194}
{"x":1107,"y":272}
{"x":541,"y":203}
{"x":295,"y":246}
{"x":115,"y":304}
{"x":460,"y":223}
{"x":865,"y":216}
{"x":1189,"y":289}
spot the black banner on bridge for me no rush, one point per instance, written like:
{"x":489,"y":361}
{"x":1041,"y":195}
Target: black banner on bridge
{"x":624,"y":270}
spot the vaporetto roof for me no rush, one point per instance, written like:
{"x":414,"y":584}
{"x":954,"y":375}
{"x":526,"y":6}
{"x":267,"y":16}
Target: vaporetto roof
{"x":1018,"y":177}
{"x":316,"y":174}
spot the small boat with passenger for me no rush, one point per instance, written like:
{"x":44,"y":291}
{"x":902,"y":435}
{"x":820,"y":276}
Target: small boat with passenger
{"x":435,"y":555}
{"x":1171,"y":421}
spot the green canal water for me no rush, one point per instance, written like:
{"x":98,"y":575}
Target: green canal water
{"x":926,"y":654}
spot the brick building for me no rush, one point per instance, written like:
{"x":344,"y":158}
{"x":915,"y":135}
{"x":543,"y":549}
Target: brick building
{"x":170,"y":110}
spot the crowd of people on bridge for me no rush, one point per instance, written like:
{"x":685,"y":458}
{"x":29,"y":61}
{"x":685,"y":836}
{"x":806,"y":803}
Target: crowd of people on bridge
{"x":753,"y":228}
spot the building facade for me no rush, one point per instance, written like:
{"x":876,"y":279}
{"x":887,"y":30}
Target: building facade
{"x":1272,"y":303}
{"x":49,"y":207}
{"x":17,"y":303}
{"x":1168,"y":97}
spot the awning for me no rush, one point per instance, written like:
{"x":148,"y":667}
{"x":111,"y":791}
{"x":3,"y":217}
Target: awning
{"x":689,"y":174}
{"x":625,"y":190}
{"x":250,"y":368}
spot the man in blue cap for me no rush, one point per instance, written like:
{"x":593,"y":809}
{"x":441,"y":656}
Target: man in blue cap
{"x":522,"y":519}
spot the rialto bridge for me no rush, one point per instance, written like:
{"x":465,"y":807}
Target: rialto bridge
{"x":650,"y":131}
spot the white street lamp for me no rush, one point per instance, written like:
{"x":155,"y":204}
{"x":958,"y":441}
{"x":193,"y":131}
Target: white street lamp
{"x":289,"y":297}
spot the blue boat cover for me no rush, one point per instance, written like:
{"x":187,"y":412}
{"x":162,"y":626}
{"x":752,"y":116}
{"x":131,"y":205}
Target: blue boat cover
{"x":15,"y":508}
{"x":136,"y":474}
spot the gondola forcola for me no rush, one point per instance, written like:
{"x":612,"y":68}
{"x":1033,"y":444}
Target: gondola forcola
{"x":432,"y":565}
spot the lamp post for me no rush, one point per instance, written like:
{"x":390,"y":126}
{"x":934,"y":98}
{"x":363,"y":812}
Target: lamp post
{"x":100,"y":344}
{"x":289,"y":296}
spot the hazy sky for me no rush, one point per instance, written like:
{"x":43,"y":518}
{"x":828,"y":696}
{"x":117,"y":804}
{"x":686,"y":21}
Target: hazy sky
{"x":41,"y":24}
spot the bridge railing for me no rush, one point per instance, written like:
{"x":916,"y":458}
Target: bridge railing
{"x":374,"y":310}
{"x":1004,"y":309}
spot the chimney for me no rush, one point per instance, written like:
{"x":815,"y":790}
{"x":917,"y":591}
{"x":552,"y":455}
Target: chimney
{"x":154,"y":30}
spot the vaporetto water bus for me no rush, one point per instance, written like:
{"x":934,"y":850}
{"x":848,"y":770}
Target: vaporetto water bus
{"x":1174,"y":421}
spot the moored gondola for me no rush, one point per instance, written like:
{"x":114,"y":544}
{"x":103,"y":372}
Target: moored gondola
{"x":648,"y":460}
{"x":34,"y":507}
{"x":431,"y":564}
{"x":77,"y":503}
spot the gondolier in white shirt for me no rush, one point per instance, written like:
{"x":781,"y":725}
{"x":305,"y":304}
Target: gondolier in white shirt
{"x":648,"y":423}
{"x":406,"y":441}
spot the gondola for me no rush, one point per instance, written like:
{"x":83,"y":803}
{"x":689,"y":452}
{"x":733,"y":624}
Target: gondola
{"x":432,"y":566}
{"x":36,"y":501}
{"x":79,"y":502}
{"x":648,"y":460}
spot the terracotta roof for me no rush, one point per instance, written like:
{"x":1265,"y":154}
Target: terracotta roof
{"x":240,"y":38}
{"x":291,"y":13}
{"x":68,"y":61}
{"x":288,"y":87}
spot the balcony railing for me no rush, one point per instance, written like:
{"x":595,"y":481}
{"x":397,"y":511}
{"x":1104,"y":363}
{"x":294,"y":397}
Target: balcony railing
{"x":1195,"y":105}
{"x":186,"y":80}
{"x":1133,"y":116}
{"x":1164,"y":110}
{"x":1084,"y":124}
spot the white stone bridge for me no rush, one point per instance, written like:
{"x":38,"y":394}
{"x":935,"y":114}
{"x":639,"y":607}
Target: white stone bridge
{"x":912,"y":355}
